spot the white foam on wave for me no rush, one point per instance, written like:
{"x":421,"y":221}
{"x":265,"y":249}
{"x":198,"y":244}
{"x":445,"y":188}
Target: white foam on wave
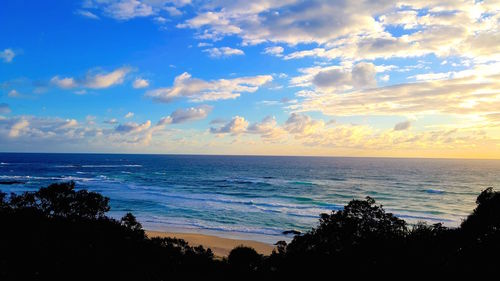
{"x":110,"y":166}
{"x":195,"y":224}
{"x":73,"y":178}
{"x":223,"y":202}
{"x":96,"y":166}
{"x":28,"y":177}
{"x":259,"y":208}
{"x":53,"y":178}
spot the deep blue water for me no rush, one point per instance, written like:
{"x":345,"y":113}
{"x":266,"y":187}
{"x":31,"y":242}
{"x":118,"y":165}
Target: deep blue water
{"x":258,"y":197}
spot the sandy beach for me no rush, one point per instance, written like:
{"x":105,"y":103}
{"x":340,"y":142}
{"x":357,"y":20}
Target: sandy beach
{"x":220,"y":246}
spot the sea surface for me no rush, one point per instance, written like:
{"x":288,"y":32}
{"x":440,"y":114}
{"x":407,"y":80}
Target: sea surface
{"x":257,"y":197}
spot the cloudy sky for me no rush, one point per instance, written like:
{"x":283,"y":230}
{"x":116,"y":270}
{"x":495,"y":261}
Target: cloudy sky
{"x":341,"y":78}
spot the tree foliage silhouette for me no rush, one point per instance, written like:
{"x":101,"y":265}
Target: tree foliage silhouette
{"x":59,"y":232}
{"x":244,"y":259}
{"x":61,"y":200}
{"x":62,"y":233}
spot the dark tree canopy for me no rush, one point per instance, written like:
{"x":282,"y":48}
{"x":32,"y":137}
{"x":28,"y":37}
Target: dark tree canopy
{"x":131,"y":223}
{"x":61,"y":200}
{"x":61,"y":233}
{"x":58,"y":232}
{"x":486,"y":216}
{"x":363,"y":235}
{"x":244,"y":258}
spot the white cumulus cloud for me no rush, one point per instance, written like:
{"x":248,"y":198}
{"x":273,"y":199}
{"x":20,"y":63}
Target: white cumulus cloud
{"x":132,"y":127}
{"x":275,"y":51}
{"x":140,"y":83}
{"x":236,"y":126}
{"x":183,"y":115}
{"x":223,"y":52}
{"x":200,"y":90}
{"x":100,"y":80}
{"x":64,"y":82}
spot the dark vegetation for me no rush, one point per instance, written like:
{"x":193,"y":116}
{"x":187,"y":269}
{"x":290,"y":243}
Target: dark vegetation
{"x":62,"y":233}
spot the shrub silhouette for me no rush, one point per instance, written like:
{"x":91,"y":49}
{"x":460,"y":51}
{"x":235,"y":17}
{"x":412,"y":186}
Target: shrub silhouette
{"x":244,"y":258}
{"x":62,"y":233}
{"x":131,"y":223}
{"x":3,"y":203}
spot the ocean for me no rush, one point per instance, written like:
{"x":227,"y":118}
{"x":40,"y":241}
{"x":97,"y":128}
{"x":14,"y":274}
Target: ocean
{"x":257,"y":197}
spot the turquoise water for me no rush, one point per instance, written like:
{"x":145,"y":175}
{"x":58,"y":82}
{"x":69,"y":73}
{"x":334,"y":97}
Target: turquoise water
{"x":257,"y":197}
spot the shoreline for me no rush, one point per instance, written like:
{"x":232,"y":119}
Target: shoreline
{"x":220,"y":246}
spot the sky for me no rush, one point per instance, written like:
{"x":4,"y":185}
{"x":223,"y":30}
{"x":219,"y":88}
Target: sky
{"x":324,"y":78}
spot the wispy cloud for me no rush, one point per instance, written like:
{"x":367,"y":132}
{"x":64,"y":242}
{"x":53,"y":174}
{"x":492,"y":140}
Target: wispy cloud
{"x":64,"y":82}
{"x":405,"y":125}
{"x":183,"y":115}
{"x":99,"y":80}
{"x":275,"y":51}
{"x":124,"y":10}
{"x":128,"y":9}
{"x":87,"y":14}
{"x":132,"y":127}
{"x":105,"y":80}
{"x":14,"y":94}
{"x":472,"y":92}
{"x":374,"y":66}
{"x":200,"y":90}
{"x":358,"y":30}
{"x":7,"y":55}
{"x":223,"y":52}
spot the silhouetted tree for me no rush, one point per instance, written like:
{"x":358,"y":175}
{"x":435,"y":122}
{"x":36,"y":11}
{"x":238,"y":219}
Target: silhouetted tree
{"x":61,"y":200}
{"x":486,"y":216}
{"x":479,"y":235}
{"x":281,"y":247}
{"x":130,"y":222}
{"x":3,"y":203}
{"x":244,"y":258}
{"x":356,"y":234}
{"x":60,"y":233}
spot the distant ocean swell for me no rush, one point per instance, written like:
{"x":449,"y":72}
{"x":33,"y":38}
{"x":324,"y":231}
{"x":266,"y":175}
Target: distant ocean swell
{"x":307,"y":209}
{"x":257,"y":196}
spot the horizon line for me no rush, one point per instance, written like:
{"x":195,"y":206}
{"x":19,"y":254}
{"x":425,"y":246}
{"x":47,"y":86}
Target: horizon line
{"x":250,"y":155}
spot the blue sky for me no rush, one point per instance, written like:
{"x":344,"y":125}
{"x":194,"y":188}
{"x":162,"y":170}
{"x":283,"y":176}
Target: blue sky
{"x":387,"y":78}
